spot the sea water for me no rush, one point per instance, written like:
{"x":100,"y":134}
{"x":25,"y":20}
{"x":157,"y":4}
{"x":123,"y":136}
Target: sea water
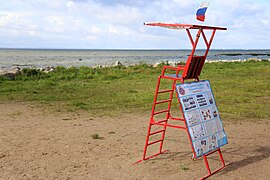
{"x":40,"y":58}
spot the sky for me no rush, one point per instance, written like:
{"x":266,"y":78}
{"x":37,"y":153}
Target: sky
{"x":118,"y":24}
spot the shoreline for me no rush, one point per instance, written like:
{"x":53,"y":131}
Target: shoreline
{"x":118,"y":63}
{"x":13,"y":72}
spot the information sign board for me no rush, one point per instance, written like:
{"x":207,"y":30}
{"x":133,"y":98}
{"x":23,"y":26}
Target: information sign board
{"x":202,"y":117}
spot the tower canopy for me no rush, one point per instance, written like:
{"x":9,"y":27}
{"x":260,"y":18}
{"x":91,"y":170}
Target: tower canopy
{"x":183,"y":26}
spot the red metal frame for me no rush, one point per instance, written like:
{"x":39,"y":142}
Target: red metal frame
{"x":191,"y":70}
{"x":183,"y":26}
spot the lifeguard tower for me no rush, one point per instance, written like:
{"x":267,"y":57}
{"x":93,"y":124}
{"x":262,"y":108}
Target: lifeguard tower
{"x":206,"y":133}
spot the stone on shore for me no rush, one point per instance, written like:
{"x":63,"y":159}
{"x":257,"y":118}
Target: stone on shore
{"x":117,"y":63}
{"x":170,"y":63}
{"x":48,"y":69}
{"x":11,"y":73}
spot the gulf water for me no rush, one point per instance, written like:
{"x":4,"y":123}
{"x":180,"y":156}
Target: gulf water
{"x":40,"y":58}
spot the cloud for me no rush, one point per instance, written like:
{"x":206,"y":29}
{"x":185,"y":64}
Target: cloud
{"x":119,"y":23}
{"x":91,"y":38}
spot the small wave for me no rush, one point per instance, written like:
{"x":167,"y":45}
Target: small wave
{"x":230,"y":54}
{"x":21,"y":65}
{"x":245,"y":54}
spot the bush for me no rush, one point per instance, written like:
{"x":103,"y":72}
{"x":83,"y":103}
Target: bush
{"x":31,"y":74}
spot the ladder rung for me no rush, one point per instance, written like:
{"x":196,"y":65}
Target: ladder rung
{"x":162,"y":121}
{"x":170,"y":125}
{"x":163,"y":101}
{"x":154,"y":155}
{"x":163,"y":111}
{"x":154,"y":142}
{"x":164,"y":91}
{"x":156,"y":132}
{"x":177,"y":119}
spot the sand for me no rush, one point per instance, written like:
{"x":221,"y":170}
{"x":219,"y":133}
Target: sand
{"x":39,"y":143}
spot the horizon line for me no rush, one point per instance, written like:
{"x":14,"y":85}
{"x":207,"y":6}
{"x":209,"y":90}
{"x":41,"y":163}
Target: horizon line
{"x":127,"y":49}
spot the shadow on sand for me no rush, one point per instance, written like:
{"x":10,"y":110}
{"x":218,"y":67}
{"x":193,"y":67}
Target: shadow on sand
{"x":264,"y":152}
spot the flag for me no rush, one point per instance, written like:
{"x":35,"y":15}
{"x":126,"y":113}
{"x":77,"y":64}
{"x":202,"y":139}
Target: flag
{"x":201,"y":11}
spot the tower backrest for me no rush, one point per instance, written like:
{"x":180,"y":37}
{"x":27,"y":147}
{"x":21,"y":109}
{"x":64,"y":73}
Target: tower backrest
{"x":193,"y":67}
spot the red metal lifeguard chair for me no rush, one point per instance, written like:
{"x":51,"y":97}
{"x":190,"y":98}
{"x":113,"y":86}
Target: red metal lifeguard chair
{"x":190,"y":71}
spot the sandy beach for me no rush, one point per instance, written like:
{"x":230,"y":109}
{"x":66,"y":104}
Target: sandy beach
{"x":39,"y":143}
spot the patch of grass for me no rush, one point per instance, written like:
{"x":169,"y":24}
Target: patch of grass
{"x":66,"y":119}
{"x":96,"y":136}
{"x":15,"y":114}
{"x":184,"y":167}
{"x":242,"y":90}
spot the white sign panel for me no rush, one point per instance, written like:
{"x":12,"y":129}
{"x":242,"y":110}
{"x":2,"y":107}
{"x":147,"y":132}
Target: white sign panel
{"x":201,"y":114}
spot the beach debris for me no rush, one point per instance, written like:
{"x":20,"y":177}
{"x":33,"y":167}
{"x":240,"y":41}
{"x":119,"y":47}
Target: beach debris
{"x":253,"y":59}
{"x":173,"y":63}
{"x":48,"y":69}
{"x":10,"y":73}
{"x":156,"y":64}
{"x":170,"y":63}
{"x":215,"y":61}
{"x":117,"y":63}
{"x":80,"y":59}
{"x":99,"y":66}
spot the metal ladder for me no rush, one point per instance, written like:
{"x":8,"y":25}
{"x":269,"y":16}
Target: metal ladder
{"x":163,"y":122}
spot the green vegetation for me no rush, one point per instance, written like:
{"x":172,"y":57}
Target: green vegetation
{"x":184,"y":167}
{"x":242,"y":90}
{"x":96,"y":136}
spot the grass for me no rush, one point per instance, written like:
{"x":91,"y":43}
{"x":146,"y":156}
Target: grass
{"x":184,"y":167}
{"x":242,"y":90}
{"x":96,"y":136}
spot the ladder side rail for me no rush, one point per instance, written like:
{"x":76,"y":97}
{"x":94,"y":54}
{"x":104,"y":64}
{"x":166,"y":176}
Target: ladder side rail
{"x":151,"y":120}
{"x":155,"y":98}
{"x":147,"y":141}
{"x":153,"y":113}
{"x":172,"y":93}
{"x":169,"y":107}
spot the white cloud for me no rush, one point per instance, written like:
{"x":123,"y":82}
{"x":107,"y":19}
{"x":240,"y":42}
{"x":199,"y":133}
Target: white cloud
{"x":94,"y":29}
{"x":113,"y":30}
{"x":55,"y":24}
{"x":91,"y":38}
{"x":69,"y":4}
{"x":118,"y":23}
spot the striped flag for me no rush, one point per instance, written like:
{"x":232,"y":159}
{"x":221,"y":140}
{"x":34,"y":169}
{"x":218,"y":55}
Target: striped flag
{"x":201,"y":11}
